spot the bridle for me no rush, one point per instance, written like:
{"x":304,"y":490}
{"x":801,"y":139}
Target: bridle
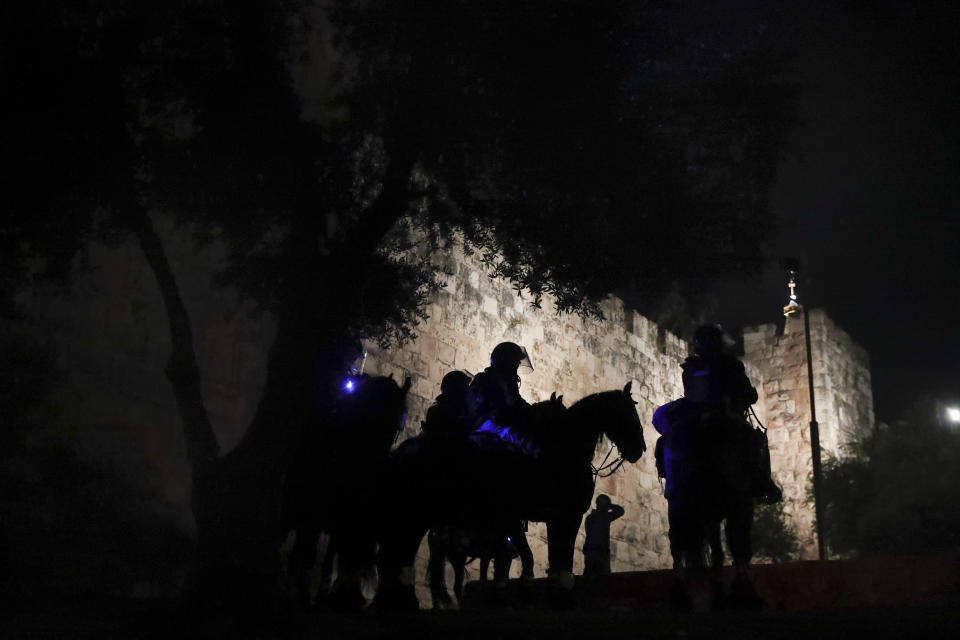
{"x":607,"y":469}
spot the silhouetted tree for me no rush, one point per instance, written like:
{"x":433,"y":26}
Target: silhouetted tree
{"x":897,"y":491}
{"x":580,"y":147}
{"x":773,"y":535}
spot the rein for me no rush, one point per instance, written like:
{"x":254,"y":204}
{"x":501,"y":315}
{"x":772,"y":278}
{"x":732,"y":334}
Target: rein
{"x":613,"y":466}
{"x":754,"y":415}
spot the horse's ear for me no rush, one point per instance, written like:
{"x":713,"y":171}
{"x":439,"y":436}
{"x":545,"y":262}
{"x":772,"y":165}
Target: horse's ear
{"x":627,"y":388}
{"x":406,"y":385}
{"x":553,"y":397}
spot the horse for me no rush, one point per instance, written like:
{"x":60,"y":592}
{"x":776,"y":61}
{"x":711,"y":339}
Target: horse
{"x":482,"y":483}
{"x":461,"y":547}
{"x":715,"y":468}
{"x":323,"y":492}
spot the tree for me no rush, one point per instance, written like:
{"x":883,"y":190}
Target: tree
{"x":773,"y":535}
{"x":896,"y":491}
{"x":512,"y":126}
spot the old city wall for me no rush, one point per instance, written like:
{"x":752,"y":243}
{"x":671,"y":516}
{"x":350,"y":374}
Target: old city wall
{"x":842,"y":393}
{"x":110,"y":330}
{"x":572,"y":357}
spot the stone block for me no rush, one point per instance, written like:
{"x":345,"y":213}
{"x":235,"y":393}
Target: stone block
{"x":446,"y":353}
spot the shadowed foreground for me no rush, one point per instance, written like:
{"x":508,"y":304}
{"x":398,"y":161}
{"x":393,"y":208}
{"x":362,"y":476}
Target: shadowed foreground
{"x":882,"y":597}
{"x":939,"y":617}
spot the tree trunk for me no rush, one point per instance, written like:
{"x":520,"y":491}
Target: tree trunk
{"x":237,"y":498}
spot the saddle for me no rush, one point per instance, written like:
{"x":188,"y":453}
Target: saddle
{"x":733,"y":449}
{"x":492,"y":434}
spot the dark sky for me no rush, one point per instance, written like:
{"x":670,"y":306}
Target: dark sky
{"x":868,"y":196}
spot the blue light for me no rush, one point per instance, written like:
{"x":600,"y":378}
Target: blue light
{"x":349,"y":386}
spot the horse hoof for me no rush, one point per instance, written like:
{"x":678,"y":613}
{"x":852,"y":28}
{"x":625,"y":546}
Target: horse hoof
{"x":679,"y":599}
{"x":743,"y":596}
{"x":441,"y":603}
{"x":498,"y":598}
{"x":562,"y":600}
{"x":402,"y":599}
{"x":346,"y":600}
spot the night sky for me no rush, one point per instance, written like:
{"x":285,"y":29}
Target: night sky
{"x":868,"y":194}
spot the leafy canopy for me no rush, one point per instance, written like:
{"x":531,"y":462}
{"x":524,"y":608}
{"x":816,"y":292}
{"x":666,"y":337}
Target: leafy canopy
{"x":580,"y":147}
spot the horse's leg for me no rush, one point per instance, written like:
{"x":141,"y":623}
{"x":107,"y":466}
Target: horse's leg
{"x":326,"y":566}
{"x":526,"y":555}
{"x":738,"y":530}
{"x":439,"y":543}
{"x":679,"y":534}
{"x":484,"y":568}
{"x":459,"y":564}
{"x":501,"y":564}
{"x":561,"y":538}
{"x":716,"y":546}
{"x":302,"y":557}
{"x":354,"y":550}
{"x":398,"y":552}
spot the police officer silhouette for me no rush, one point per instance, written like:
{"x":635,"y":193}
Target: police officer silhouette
{"x":449,"y":414}
{"x":494,"y":393}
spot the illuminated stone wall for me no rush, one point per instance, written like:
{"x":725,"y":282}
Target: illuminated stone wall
{"x":571,"y":356}
{"x":843,"y":396}
{"x":577,"y":357}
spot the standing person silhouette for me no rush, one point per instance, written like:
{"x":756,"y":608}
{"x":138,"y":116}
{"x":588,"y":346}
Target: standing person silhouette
{"x":596,"y":547}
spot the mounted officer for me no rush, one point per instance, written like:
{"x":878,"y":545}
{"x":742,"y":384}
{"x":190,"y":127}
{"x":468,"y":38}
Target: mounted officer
{"x":493,"y":399}
{"x":717,"y":384}
{"x":449,"y":414}
{"x":714,"y":378}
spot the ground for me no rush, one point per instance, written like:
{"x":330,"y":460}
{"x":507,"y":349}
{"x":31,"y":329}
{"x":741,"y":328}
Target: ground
{"x":936,"y":617}
{"x":902,"y":597}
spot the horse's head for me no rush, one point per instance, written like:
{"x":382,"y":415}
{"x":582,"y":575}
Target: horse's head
{"x":375,"y":406}
{"x":615,"y":414}
{"x":622,"y":424}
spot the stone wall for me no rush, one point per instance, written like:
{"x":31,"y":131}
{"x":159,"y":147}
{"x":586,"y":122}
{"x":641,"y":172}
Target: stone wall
{"x":843,"y":396}
{"x":111,"y":330}
{"x":572,"y":357}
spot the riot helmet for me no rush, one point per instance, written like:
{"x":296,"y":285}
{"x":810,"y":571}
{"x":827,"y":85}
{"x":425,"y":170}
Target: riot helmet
{"x":455,"y":382}
{"x":708,"y":340}
{"x":510,"y":356}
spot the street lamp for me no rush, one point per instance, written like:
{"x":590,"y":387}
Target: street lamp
{"x":792,"y":307}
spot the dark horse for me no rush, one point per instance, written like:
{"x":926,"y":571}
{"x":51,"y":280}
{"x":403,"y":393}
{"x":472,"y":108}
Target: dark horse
{"x":482,"y":483}
{"x":329,"y":487}
{"x":716,"y":466}
{"x":461,"y":547}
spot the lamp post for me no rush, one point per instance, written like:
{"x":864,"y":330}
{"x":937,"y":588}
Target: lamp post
{"x":793,"y":306}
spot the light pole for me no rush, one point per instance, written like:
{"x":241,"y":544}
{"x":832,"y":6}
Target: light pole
{"x":793,"y":268}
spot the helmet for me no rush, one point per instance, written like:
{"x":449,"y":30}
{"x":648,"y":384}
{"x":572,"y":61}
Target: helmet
{"x":603,"y":501}
{"x":455,"y":382}
{"x":708,"y":340}
{"x":510,"y":355}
